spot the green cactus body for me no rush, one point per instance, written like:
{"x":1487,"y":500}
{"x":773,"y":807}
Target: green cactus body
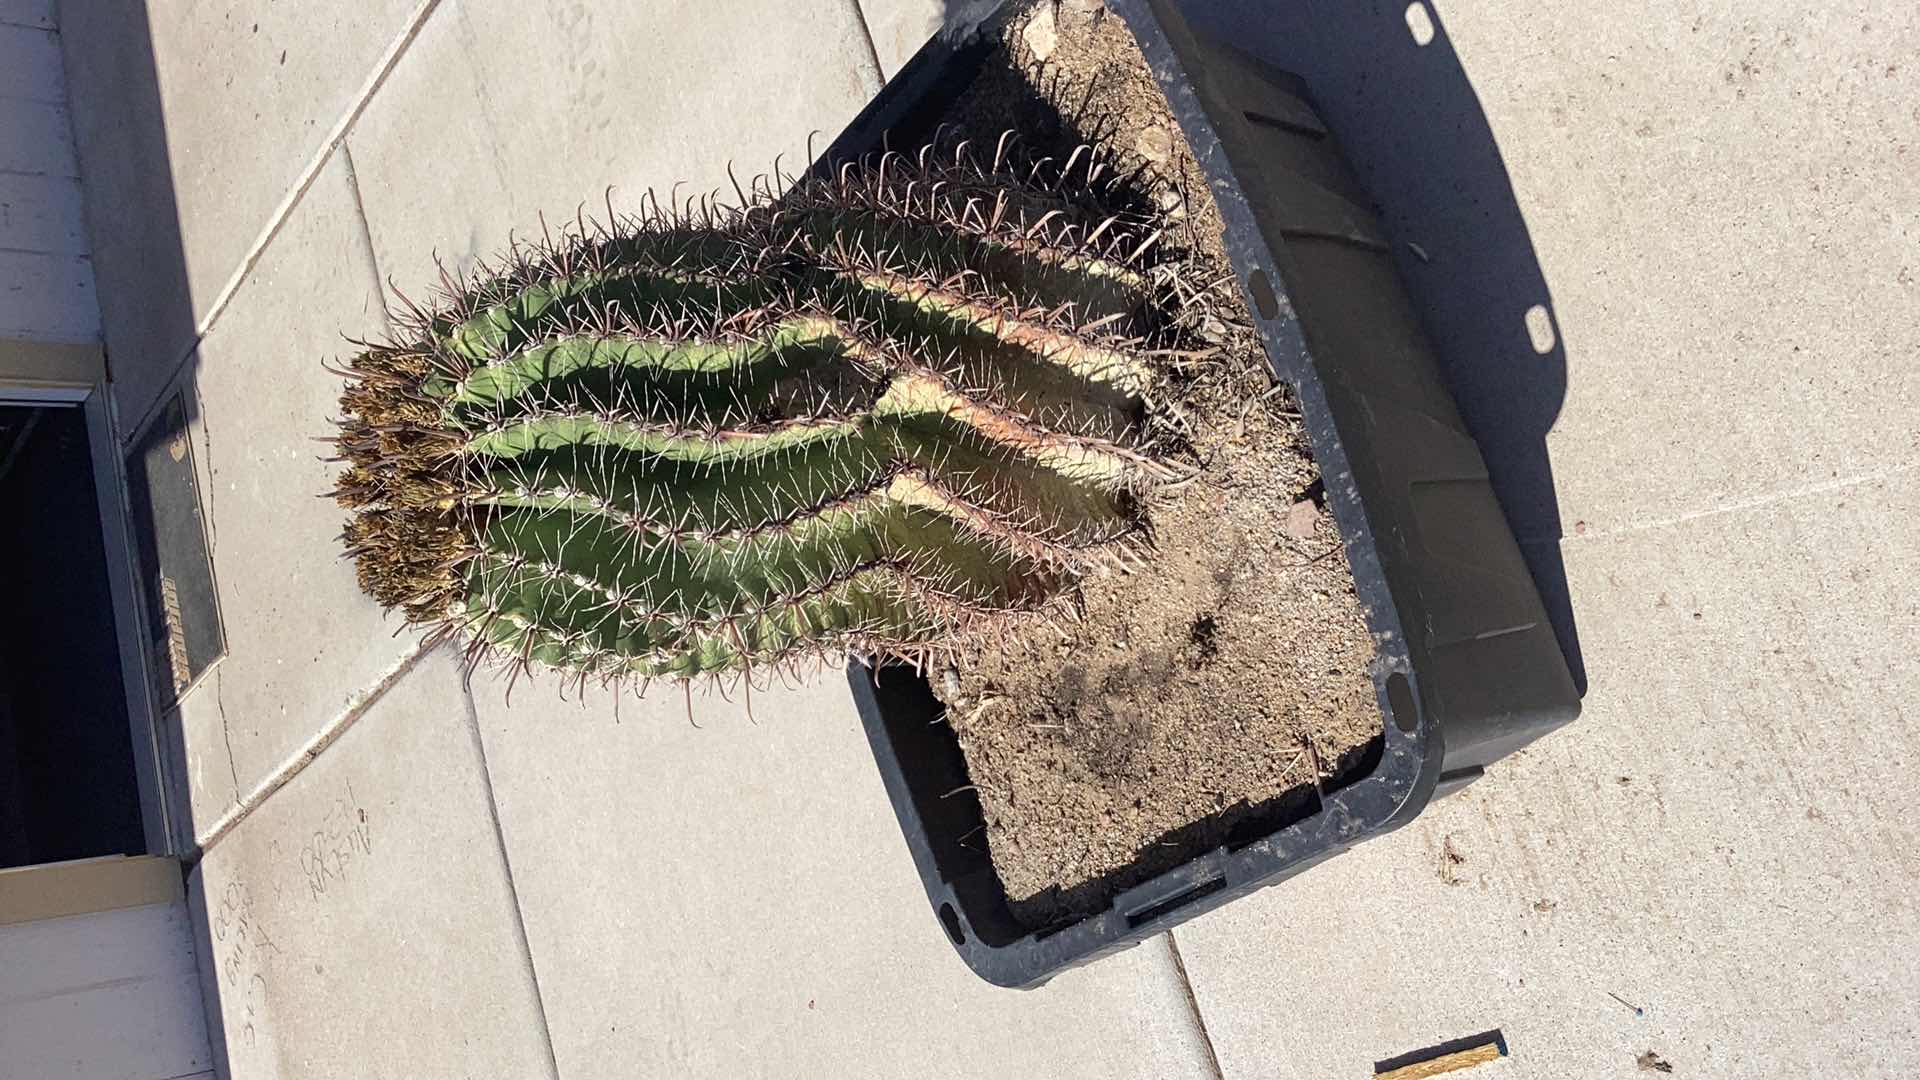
{"x":863,"y":416}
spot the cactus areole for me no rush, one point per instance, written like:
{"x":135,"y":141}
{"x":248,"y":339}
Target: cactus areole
{"x":868,"y":414}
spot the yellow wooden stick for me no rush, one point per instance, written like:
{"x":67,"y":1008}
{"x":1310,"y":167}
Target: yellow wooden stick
{"x":1445,"y":1063}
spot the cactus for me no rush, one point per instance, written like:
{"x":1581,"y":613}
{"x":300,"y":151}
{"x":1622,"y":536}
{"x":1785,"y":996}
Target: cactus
{"x":885,"y":407}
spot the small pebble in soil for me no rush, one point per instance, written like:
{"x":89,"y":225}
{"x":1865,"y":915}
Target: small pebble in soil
{"x":1040,"y":35}
{"x":1302,"y":519}
{"x":950,"y":683}
{"x":1155,"y":144}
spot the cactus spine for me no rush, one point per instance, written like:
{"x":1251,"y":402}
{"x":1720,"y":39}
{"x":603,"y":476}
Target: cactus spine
{"x":862,"y":416}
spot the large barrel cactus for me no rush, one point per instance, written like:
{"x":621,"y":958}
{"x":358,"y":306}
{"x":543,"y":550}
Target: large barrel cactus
{"x":880,"y":409}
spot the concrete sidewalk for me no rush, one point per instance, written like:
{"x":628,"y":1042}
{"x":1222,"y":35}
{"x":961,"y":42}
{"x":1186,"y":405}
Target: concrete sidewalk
{"x":404,"y":877}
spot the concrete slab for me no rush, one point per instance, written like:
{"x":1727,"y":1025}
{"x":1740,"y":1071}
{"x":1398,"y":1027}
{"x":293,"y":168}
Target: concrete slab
{"x":462,"y":145}
{"x":361,"y":922}
{"x":1724,"y":840}
{"x":900,"y":27}
{"x":736,"y":900}
{"x":303,"y":644}
{"x":195,"y":123}
{"x":1725,"y":206}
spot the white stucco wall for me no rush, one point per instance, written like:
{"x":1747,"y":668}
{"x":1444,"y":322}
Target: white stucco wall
{"x":46,"y":274}
{"x":111,"y":994}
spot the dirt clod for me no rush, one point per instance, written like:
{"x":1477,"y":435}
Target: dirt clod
{"x":1303,"y":520}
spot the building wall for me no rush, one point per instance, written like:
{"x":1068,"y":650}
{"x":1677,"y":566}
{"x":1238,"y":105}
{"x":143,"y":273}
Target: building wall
{"x":98,"y":977}
{"x":110,"y":994}
{"x":46,"y":273}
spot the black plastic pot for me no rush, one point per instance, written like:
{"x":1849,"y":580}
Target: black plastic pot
{"x":1467,"y":668}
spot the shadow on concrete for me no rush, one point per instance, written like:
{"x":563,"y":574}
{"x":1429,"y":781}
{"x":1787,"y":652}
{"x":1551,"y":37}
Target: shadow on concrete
{"x":1414,"y":132}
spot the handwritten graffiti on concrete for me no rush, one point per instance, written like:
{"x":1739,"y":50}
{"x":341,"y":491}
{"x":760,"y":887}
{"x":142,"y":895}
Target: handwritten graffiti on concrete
{"x":342,"y":837}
